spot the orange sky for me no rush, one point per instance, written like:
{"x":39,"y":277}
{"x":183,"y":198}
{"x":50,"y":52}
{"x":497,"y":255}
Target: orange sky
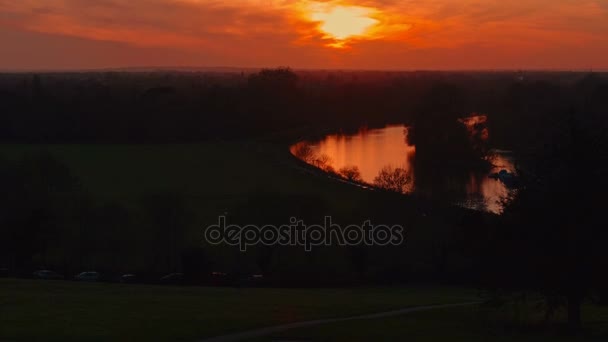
{"x":368,"y":34}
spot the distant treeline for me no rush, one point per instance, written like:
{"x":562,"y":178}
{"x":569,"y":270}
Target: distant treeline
{"x":278,"y":103}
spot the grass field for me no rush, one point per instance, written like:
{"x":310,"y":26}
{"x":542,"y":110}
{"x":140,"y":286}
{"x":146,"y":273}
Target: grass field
{"x":198,"y":170}
{"x":462,"y":324}
{"x":217,"y":177}
{"x":212,"y":176}
{"x":68,"y":311}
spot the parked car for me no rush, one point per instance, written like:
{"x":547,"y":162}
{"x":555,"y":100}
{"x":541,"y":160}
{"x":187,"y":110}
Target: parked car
{"x":128,"y":278}
{"x":219,"y":279}
{"x":253,"y":280}
{"x":47,"y":275}
{"x":173,"y":278}
{"x":88,"y":276}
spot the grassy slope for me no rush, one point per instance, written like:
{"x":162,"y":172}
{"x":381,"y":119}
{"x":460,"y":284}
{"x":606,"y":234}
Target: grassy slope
{"x":199,"y":170}
{"x":211,"y":175}
{"x":217,"y":176}
{"x":61,"y":311}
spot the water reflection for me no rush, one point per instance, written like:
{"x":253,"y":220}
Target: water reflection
{"x":369,"y":151}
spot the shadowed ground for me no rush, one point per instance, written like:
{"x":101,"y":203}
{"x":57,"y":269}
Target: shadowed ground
{"x":69,"y":311}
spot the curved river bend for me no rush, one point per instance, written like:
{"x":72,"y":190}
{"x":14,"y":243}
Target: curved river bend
{"x":372,"y":150}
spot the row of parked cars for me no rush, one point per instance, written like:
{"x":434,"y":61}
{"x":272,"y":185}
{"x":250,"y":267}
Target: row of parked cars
{"x":92,"y":276}
{"x":214,"y":278}
{"x":52,"y":275}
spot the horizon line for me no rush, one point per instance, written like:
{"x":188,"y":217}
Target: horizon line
{"x":236,"y":69}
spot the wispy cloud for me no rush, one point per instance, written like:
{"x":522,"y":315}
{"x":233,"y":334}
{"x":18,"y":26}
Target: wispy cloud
{"x":412,"y":33}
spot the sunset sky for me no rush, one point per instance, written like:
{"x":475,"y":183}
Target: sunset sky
{"x":370,"y":34}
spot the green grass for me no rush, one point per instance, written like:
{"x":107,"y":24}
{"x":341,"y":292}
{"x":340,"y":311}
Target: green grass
{"x":461,"y":324}
{"x":212,"y":176}
{"x":198,"y":170}
{"x":219,"y":177}
{"x":67,"y":311}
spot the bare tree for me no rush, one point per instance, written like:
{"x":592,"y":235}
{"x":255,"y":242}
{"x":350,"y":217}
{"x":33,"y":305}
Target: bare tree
{"x":323,"y":162}
{"x":351,"y":173}
{"x":304,"y":152}
{"x":393,"y":179}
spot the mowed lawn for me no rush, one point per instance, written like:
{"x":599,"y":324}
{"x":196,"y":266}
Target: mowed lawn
{"x":459,"y":324}
{"x":70,"y":311}
{"x":199,"y":170}
{"x":212,"y":176}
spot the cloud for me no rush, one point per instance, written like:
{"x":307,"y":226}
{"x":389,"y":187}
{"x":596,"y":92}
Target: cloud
{"x":268,"y":32}
{"x":150,"y":23}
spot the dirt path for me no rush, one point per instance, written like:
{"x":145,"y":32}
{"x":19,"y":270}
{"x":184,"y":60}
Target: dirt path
{"x":280,"y":328}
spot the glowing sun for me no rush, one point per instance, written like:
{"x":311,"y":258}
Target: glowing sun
{"x":343,"y":22}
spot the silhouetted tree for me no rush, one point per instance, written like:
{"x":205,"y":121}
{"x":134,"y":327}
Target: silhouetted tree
{"x":393,"y":179}
{"x":274,"y":79}
{"x":304,"y":152}
{"x":323,"y":162}
{"x":38,"y":194}
{"x":168,"y":219}
{"x":195,"y":264}
{"x":551,"y":238}
{"x":351,"y":173}
{"x":437,"y":131}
